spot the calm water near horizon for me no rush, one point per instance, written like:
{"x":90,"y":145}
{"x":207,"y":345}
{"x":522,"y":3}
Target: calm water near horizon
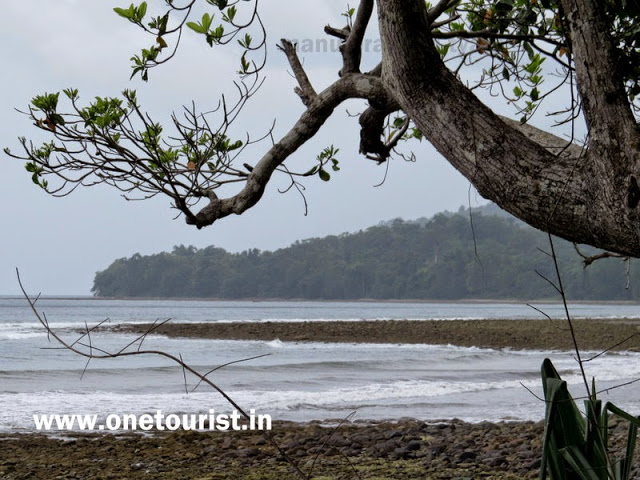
{"x":296,"y":381}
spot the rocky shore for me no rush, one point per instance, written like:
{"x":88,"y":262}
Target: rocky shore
{"x":404,"y":450}
{"x":592,"y":334}
{"x":407,"y":449}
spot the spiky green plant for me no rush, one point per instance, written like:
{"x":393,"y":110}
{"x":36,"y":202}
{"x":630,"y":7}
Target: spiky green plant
{"x":576,"y":445}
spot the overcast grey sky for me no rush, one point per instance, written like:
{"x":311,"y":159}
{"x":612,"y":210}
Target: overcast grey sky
{"x":59,"y":244}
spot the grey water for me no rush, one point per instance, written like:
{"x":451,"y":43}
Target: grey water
{"x":298,"y":381}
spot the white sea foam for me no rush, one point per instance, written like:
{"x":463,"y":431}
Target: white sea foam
{"x":351,"y":319}
{"x":18,"y":408}
{"x":298,"y":380}
{"x":277,"y":343}
{"x":21,"y":335}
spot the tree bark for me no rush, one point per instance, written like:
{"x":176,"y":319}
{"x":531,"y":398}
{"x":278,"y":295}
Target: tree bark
{"x":588,"y":196}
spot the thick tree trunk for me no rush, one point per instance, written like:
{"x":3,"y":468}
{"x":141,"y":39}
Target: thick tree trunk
{"x":587,"y":197}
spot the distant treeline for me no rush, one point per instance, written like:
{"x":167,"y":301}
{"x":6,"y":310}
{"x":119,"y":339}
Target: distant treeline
{"x":440,"y":258}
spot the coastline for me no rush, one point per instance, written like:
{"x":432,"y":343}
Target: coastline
{"x":403,"y":449}
{"x":592,"y":334}
{"x":407,"y":449}
{"x":459,"y":301}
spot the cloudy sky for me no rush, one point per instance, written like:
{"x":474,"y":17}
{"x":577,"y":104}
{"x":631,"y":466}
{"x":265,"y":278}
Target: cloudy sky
{"x":59,"y":243}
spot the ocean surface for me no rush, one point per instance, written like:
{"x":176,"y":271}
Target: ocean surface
{"x":294,"y":381}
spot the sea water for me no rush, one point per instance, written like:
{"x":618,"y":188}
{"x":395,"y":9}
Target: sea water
{"x":298,"y":381}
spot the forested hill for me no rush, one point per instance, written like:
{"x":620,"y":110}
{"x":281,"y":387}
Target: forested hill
{"x":434,"y":258}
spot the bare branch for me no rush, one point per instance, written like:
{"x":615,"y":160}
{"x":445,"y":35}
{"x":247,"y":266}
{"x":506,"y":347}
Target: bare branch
{"x":341,"y":33}
{"x":352,"y":48}
{"x":93,"y":352}
{"x":350,"y":86}
{"x":304,"y":90}
{"x":589,"y":259}
{"x":487,"y":34}
{"x":444,"y":22}
{"x":438,"y":9}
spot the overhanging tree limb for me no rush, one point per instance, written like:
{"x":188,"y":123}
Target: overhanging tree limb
{"x":354,"y":85}
{"x":567,"y":196}
{"x":587,"y":195}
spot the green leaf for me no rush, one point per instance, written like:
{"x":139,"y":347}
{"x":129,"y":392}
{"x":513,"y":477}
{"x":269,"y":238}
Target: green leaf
{"x":574,"y":457}
{"x":324,"y":175}
{"x":47,"y":103}
{"x":214,"y":36}
{"x":141,"y":11}
{"x":162,"y":26}
{"x":57,"y":119}
{"x":230,"y":14}
{"x":535,"y":94}
{"x":443,"y":49}
{"x":528,"y":49}
{"x":125,"y":13}
{"x":245,"y":64}
{"x":71,"y":93}
{"x":206,"y":21}
{"x":246,"y":41}
{"x":196,"y":27}
{"x":235,"y":145}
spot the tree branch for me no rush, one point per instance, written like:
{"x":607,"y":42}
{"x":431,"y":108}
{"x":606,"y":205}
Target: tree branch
{"x":438,"y":9}
{"x":589,"y":259}
{"x":574,"y":197}
{"x":492,"y":35}
{"x":90,"y":352}
{"x":352,"y":49}
{"x":600,"y":81}
{"x":355,"y":85}
{"x":304,"y":90}
{"x":341,"y":33}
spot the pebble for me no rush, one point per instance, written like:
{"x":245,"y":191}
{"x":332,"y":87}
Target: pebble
{"x":403,"y":450}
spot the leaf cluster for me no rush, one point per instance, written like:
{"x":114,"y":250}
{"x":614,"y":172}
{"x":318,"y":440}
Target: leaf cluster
{"x":576,"y":446}
{"x":179,"y":15}
{"x":327,"y":156}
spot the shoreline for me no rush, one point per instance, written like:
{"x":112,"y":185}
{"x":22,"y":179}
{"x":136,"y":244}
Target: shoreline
{"x":403,"y":450}
{"x":592,"y":334}
{"x":462,"y":301}
{"x":407,"y":449}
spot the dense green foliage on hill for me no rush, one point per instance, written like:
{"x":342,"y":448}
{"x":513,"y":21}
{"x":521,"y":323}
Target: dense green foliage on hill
{"x":433,"y":258}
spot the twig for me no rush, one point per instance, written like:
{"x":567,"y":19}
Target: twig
{"x":589,"y":259}
{"x":560,"y":289}
{"x":103,"y":354}
{"x":327,"y":438}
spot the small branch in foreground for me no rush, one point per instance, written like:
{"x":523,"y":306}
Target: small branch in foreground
{"x":563,"y":295}
{"x":98,"y":353}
